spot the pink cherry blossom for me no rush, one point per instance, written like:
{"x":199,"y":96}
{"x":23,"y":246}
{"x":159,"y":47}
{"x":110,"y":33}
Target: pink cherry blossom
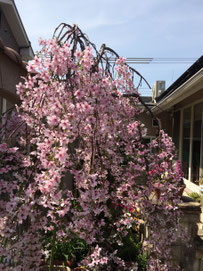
{"x":53,"y":120}
{"x":72,"y":158}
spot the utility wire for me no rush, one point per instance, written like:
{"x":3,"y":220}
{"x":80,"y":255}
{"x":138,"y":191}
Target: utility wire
{"x":150,"y":60}
{"x":159,"y":60}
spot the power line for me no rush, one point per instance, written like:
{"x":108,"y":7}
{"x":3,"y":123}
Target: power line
{"x":148,"y":60}
{"x":159,"y":60}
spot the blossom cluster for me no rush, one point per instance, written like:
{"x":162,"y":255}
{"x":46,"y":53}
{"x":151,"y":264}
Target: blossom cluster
{"x":70,"y":174}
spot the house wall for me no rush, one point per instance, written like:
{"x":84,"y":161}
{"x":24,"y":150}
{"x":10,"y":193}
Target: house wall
{"x":11,"y":66}
{"x":10,"y":75}
{"x":147,"y":120}
{"x":6,"y":34}
{"x":165,"y":118}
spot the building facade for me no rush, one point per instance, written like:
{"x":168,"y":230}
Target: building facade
{"x":180,"y":111}
{"x":15,"y":48}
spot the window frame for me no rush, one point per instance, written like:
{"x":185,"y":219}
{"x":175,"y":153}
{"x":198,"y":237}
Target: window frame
{"x":191,"y":105}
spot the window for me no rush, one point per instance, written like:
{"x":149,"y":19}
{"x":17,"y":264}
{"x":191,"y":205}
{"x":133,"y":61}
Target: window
{"x":155,"y":123}
{"x":0,"y":18}
{"x":148,"y":139}
{"x":188,"y":139}
{"x":176,"y":129}
{"x":196,"y":142}
{"x":3,"y":105}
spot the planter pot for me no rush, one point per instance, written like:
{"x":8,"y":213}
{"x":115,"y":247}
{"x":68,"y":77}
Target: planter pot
{"x":61,"y":268}
{"x":80,"y":269}
{"x":55,"y":268}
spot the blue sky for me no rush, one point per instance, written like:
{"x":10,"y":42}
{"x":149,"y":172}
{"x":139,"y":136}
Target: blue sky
{"x":133,"y":28}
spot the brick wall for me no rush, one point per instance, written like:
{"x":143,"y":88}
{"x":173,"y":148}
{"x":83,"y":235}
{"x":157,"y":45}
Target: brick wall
{"x":190,"y":258}
{"x":166,"y":121}
{"x":147,"y":120}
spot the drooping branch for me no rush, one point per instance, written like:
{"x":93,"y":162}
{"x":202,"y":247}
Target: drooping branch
{"x":76,"y":37}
